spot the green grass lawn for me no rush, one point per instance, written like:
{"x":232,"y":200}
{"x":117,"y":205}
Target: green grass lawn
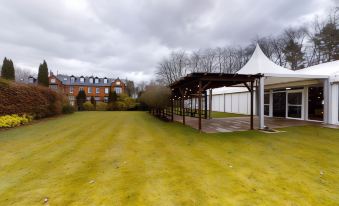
{"x":131,"y":158}
{"x":225,"y":115}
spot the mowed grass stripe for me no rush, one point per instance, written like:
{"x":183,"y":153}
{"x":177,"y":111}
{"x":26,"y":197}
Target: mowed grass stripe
{"x":47,"y":159}
{"x":135,"y":159}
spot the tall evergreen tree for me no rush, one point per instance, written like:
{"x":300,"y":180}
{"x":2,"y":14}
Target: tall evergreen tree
{"x":7,"y":71}
{"x":11,"y":70}
{"x":4,"y":69}
{"x":130,"y":89}
{"x":81,"y":99}
{"x":43,"y":74}
{"x":293,"y":54}
{"x":93,"y":102}
{"x":113,"y":97}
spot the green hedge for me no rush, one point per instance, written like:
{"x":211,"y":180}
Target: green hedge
{"x":34,"y":100}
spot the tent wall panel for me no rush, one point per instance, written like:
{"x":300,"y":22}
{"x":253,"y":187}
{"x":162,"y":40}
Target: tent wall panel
{"x":239,"y":103}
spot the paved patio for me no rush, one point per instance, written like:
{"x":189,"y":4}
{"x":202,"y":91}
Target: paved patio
{"x":232,"y":124}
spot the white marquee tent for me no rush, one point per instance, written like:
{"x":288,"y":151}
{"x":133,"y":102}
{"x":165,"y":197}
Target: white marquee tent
{"x":275,"y":76}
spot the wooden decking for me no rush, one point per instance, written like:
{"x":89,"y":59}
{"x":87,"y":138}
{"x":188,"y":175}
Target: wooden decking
{"x":232,"y":124}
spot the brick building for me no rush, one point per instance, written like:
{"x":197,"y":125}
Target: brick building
{"x":96,"y":87}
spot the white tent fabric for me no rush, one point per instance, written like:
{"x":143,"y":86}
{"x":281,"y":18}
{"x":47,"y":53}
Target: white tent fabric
{"x":260,"y":64}
{"x":229,"y":90}
{"x":330,"y":69}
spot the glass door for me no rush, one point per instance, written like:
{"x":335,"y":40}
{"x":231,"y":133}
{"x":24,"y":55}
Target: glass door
{"x":315,"y":103}
{"x":295,"y":104}
{"x":279,"y":104}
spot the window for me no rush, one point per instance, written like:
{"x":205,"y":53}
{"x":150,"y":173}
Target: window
{"x":96,"y":80}
{"x":89,"y":90}
{"x":52,"y":80}
{"x":117,"y":83}
{"x":65,"y":78}
{"x":88,"y":98}
{"x":91,"y":80}
{"x":267,"y":104}
{"x":72,"y":79}
{"x":105,"y":81}
{"x":82,"y":80}
{"x":81,"y":88}
{"x":71,"y":89}
{"x":106,"y":90}
{"x":71,"y":98}
{"x":118,"y":90}
{"x":106,"y":99}
{"x":97,"y":98}
{"x":31,"y":80}
{"x":54,"y":87}
{"x":294,"y":104}
{"x":97,"y":90}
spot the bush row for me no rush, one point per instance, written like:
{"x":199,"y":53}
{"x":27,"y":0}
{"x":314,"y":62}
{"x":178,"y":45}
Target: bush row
{"x":122,"y":103}
{"x":29,"y":99}
{"x":14,"y":120}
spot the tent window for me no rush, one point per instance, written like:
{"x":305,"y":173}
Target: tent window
{"x":267,"y":104}
{"x":294,"y":104}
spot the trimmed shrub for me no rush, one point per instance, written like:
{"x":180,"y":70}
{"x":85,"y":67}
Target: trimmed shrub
{"x":101,"y":106}
{"x":29,"y":99}
{"x":14,"y":120}
{"x":123,"y":103}
{"x":81,"y":99}
{"x":68,"y":109}
{"x":88,"y":106}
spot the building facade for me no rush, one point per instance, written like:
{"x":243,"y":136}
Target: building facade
{"x":96,"y":87}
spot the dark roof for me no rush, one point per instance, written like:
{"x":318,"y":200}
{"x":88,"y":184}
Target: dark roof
{"x":189,"y":84}
{"x":66,"y":80}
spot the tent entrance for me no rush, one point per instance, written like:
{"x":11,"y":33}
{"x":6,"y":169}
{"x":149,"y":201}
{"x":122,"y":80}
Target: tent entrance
{"x":316,"y":103}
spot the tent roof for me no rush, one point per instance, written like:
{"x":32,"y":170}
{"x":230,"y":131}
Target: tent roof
{"x":329,"y":68}
{"x":259,"y":63}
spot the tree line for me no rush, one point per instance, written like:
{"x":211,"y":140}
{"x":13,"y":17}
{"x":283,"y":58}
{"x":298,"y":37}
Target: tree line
{"x":295,"y":48}
{"x":9,"y":72}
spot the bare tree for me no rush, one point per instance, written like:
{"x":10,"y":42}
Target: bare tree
{"x":22,"y":74}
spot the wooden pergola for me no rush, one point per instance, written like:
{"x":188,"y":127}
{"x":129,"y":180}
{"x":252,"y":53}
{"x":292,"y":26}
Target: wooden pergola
{"x":195,"y":86}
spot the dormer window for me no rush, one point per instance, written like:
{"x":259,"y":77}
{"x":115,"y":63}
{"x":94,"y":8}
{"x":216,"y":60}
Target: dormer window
{"x":72,"y":79}
{"x":117,"y":83}
{"x":96,"y":80}
{"x":105,"y":81}
{"x":82,"y":79}
{"x":52,"y":80}
{"x":91,"y":80}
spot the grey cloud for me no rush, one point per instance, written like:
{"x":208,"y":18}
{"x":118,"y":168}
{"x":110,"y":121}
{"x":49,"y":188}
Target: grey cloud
{"x":127,"y":38}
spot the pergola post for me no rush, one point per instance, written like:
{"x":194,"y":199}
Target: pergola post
{"x":172,"y":115}
{"x":199,"y":104}
{"x":183,"y":107}
{"x":261,"y":103}
{"x":191,"y":109}
{"x":210,"y":105}
{"x":205,"y":101}
{"x":252,"y":105}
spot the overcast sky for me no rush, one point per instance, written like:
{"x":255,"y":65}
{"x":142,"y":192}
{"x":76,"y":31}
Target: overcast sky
{"x":127,"y":38}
